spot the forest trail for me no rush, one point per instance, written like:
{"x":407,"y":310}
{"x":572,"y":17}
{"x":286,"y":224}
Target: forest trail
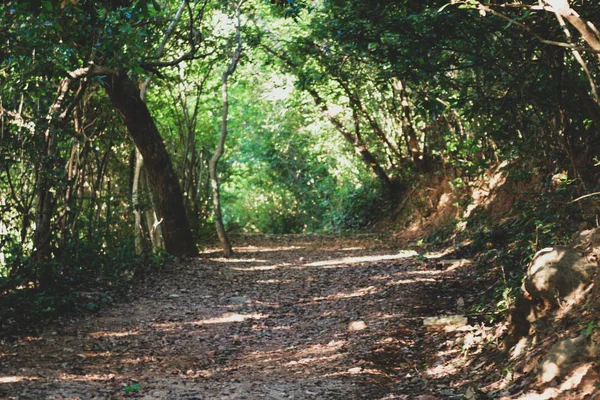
{"x":289,"y":317}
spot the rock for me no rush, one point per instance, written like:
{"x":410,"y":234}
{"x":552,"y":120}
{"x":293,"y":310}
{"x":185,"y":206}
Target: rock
{"x":355,"y":326}
{"x":454,"y":320}
{"x":564,"y":355}
{"x":556,"y":273}
{"x":556,"y":279}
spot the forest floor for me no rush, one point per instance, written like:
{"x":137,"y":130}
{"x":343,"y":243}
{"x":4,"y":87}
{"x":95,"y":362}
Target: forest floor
{"x":289,"y":317}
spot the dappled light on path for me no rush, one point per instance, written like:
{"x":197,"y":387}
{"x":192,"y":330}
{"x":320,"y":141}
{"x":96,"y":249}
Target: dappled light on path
{"x":293,"y":321}
{"x":348,"y":261}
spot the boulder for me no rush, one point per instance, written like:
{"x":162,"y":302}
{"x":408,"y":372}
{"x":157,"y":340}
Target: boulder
{"x":556,"y":279}
{"x":556,"y":274}
{"x":564,"y":355}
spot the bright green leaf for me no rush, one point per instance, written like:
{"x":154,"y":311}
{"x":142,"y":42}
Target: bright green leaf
{"x":132,"y":388}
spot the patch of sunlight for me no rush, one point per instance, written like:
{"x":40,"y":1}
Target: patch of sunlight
{"x":237,"y":260}
{"x":358,"y":293}
{"x":85,"y":378}
{"x":520,"y":347}
{"x":441,"y":370}
{"x":97,"y":335}
{"x":355,"y":260}
{"x":167,"y":326}
{"x":407,"y":281}
{"x":387,"y":340}
{"x":271,"y":281}
{"x":262,"y":357}
{"x":355,"y":371}
{"x":571,"y":382}
{"x":259,"y":268}
{"x":254,"y":249}
{"x":390,"y":316}
{"x":311,"y":360}
{"x":408,"y":253}
{"x":229,"y":317}
{"x":257,"y":328}
{"x":16,"y":378}
{"x":352,"y":248}
{"x":576,"y":377}
{"x":282,"y":328}
{"x":321,"y":350}
{"x":31,"y":339}
{"x":94,"y":355}
{"x":424,"y":272}
{"x":439,"y":254}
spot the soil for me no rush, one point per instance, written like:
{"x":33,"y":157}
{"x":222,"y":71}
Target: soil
{"x":288,"y":317}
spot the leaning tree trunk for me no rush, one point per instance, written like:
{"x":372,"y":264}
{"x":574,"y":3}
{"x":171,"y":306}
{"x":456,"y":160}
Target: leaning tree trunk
{"x":413,"y":144}
{"x":214,"y":176}
{"x":212,"y":165}
{"x":125,"y":97}
{"x":360,"y":147}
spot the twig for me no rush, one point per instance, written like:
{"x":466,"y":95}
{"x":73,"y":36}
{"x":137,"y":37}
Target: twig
{"x":583,"y":197}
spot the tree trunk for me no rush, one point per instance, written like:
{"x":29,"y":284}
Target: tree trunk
{"x":588,"y":32}
{"x":212,"y":165}
{"x":125,"y":97}
{"x":142,"y":247}
{"x":407,"y":122}
{"x":359,"y":146}
{"x":45,"y":201}
{"x":356,"y":104}
{"x":153,"y":221}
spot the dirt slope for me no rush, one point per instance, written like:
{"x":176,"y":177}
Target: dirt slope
{"x":298,"y":317}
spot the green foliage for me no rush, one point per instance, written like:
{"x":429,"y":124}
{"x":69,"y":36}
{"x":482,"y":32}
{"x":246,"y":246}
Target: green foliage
{"x":353,"y":208}
{"x":541,"y":217}
{"x":313,"y":94}
{"x":86,"y":275}
{"x":590,"y":328}
{"x":135,"y":387}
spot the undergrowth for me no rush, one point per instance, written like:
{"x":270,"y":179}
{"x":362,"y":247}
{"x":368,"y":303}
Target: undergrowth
{"x":502,"y":247}
{"x":86,"y":277}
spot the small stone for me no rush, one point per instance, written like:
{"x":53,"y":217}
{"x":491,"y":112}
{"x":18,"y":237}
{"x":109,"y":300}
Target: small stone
{"x":355,"y":326}
{"x":454,"y":320}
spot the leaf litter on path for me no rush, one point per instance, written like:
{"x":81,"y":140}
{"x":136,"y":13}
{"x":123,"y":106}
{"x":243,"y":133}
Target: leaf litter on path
{"x":289,"y":317}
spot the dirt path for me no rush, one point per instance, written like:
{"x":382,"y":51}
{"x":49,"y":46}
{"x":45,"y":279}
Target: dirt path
{"x":306,"y":317}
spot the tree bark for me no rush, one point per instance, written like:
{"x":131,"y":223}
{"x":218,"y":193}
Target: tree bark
{"x":125,"y":97}
{"x":45,"y":201}
{"x":359,"y":146}
{"x":588,"y":32}
{"x":142,"y":247}
{"x":356,"y":103}
{"x":407,"y":122}
{"x":212,"y":165}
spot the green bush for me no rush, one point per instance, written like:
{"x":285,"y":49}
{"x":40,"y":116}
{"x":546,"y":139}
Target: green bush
{"x":84,"y":277}
{"x":356,"y":207}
